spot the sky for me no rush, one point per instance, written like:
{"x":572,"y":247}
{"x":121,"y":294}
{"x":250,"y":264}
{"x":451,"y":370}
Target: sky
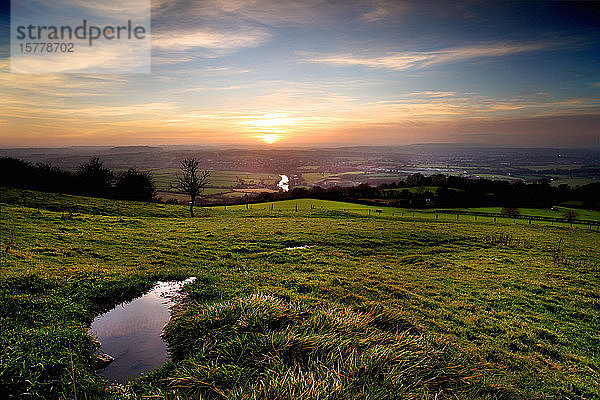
{"x":317,"y":72}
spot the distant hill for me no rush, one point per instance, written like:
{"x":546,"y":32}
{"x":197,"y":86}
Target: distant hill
{"x":133,"y":149}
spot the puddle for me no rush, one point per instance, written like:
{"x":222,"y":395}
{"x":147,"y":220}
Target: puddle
{"x":308,"y":246}
{"x":131,"y":332}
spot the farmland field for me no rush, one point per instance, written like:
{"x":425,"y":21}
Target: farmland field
{"x":419,"y":307}
{"x":218,"y":179}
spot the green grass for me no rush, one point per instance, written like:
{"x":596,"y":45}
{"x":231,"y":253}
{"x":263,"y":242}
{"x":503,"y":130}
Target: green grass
{"x":67,"y":204}
{"x":270,"y":347}
{"x":423,"y":215}
{"x":556,"y":212}
{"x":483,"y":310}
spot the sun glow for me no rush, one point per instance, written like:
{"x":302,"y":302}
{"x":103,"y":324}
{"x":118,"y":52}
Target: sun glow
{"x":270,"y":138}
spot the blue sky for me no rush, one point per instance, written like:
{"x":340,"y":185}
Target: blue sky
{"x":328,"y":73}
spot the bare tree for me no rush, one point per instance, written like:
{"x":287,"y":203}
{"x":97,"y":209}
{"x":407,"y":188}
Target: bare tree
{"x":191,"y":180}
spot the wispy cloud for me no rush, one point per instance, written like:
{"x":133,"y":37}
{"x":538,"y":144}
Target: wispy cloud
{"x":103,"y":8}
{"x":280,"y":13}
{"x":209,"y":39}
{"x":102,"y":58}
{"x":422,"y":59}
{"x":224,"y":70}
{"x":431,"y":93}
{"x":384,"y":9}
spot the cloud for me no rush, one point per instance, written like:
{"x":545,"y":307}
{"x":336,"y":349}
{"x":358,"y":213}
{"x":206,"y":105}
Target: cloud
{"x":224,"y":70}
{"x":431,"y":93}
{"x":209,"y":39}
{"x":280,"y":13}
{"x":103,"y":8}
{"x":107,"y":57}
{"x":74,"y":112}
{"x":416,"y":60}
{"x":95,"y":53}
{"x":382,"y":9}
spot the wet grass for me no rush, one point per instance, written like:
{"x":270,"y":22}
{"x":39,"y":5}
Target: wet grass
{"x":264,"y":347}
{"x":498,"y":310}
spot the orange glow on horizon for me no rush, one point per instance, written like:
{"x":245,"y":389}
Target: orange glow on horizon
{"x":270,"y":138}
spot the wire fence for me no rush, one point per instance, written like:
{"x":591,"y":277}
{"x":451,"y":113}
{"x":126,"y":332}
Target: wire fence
{"x":430,"y":214}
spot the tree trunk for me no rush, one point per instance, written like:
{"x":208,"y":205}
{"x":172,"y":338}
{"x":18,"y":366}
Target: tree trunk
{"x":192,"y":206}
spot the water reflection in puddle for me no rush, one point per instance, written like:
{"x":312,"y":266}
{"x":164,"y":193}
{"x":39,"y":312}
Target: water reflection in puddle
{"x":131,"y":332}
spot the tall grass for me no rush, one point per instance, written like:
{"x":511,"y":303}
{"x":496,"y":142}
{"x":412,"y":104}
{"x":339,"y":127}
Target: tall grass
{"x":263,"y":347}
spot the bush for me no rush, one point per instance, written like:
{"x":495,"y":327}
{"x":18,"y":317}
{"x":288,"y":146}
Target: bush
{"x":134,"y":185}
{"x":94,"y":179}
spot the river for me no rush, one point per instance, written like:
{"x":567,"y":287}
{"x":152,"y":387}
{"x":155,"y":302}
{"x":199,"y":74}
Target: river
{"x":284,"y":183}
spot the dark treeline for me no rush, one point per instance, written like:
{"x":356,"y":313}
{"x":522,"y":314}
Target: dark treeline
{"x":419,"y":191}
{"x":416,"y":191}
{"x":89,"y":179}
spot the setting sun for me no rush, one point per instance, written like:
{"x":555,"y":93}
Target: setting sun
{"x":270,"y":138}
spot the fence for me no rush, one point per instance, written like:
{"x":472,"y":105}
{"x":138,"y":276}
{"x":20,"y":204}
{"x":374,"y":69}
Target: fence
{"x":527,"y":217}
{"x":409,"y":212}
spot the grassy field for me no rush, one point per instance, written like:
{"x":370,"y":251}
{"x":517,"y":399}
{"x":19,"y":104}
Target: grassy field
{"x":381,"y":306}
{"x":573,"y":182}
{"x":555,"y":212}
{"x":319,"y":178}
{"x":423,"y":215}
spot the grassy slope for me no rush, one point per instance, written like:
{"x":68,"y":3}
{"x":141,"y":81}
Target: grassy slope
{"x":308,"y":204}
{"x":492,"y":290}
{"x":558,"y":212}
